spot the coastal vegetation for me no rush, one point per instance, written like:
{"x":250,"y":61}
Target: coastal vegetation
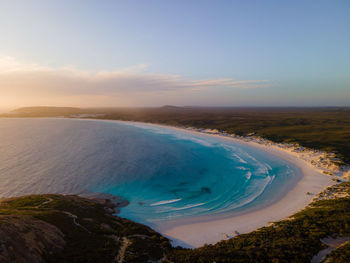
{"x":57,"y":228}
{"x":341,"y":254}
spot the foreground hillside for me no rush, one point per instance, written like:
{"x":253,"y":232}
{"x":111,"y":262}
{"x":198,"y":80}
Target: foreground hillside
{"x":57,"y":228}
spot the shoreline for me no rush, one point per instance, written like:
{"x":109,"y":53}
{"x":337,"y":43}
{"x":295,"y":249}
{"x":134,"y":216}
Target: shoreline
{"x":212,"y":229}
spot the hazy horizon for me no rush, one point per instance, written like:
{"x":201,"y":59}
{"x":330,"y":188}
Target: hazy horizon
{"x":183,"y":53}
{"x":166,"y":105}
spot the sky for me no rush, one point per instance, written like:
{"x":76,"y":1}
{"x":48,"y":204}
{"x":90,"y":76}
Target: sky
{"x":188,"y":53}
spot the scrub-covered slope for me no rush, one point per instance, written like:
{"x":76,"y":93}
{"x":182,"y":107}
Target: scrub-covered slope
{"x":57,"y":228}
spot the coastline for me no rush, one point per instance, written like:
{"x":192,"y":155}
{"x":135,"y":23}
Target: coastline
{"x":216,"y":228}
{"x":212,"y":229}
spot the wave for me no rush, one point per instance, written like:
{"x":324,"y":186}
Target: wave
{"x":241,"y":160}
{"x":186,"y":207}
{"x":176,"y":134}
{"x":166,"y":202}
{"x":250,"y":196}
{"x":193,"y":139}
{"x":243,"y":157}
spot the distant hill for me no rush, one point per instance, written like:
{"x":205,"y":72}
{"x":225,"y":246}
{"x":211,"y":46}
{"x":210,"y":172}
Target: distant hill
{"x":171,"y":108}
{"x":46,"y":111}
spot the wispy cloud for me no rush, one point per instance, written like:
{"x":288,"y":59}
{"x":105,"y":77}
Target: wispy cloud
{"x":29,"y":79}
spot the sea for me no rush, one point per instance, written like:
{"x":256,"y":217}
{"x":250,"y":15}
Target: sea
{"x":164,"y":173}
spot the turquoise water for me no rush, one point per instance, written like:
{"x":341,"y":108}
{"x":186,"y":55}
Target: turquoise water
{"x":165,"y":174}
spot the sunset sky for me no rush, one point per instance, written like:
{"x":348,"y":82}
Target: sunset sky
{"x":152,"y":53}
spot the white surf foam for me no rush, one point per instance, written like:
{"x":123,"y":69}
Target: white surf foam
{"x":186,"y":207}
{"x":166,"y":202}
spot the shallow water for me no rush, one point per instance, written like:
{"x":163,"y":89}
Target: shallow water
{"x":164,"y":173}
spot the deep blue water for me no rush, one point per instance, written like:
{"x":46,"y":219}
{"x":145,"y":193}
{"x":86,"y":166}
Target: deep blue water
{"x":165,"y":174}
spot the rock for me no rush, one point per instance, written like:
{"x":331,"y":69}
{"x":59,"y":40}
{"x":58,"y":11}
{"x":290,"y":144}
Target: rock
{"x":206,"y":190}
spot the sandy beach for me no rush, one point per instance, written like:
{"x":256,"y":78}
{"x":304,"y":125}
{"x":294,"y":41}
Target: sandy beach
{"x":213,"y":229}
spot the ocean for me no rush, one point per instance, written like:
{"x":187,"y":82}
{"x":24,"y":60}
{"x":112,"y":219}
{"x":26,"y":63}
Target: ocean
{"x":165,"y":174}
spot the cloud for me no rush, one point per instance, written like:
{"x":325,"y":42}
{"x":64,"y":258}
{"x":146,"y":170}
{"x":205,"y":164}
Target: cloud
{"x":29,"y":79}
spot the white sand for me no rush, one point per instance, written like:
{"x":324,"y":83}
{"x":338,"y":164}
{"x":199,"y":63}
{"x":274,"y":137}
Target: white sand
{"x":214,"y":229}
{"x":210,"y":232}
